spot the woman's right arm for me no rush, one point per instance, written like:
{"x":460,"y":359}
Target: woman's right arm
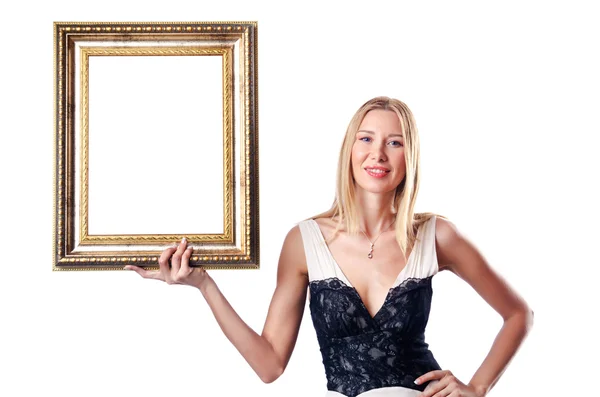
{"x":269,"y":352}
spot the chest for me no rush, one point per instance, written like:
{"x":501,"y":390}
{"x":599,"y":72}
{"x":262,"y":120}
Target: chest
{"x":371,"y":277}
{"x":338,"y":312}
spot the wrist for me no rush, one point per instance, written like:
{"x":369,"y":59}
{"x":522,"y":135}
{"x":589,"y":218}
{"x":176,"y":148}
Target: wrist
{"x":204,"y":284}
{"x":480,"y":390}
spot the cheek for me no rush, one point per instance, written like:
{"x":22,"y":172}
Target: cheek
{"x":355,"y":157}
{"x":400,"y":167}
{"x":401,"y":161}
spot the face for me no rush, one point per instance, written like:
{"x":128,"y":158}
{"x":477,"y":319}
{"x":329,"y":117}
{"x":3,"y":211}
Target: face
{"x":378,"y":152}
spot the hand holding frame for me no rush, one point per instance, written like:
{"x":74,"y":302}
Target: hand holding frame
{"x":179,"y":272}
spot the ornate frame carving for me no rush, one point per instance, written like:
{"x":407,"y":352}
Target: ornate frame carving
{"x":76,"y":247}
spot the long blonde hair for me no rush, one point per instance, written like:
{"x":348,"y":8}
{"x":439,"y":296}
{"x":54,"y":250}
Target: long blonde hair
{"x":344,"y":205}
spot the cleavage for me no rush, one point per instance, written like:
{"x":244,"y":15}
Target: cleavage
{"x":373,"y":278}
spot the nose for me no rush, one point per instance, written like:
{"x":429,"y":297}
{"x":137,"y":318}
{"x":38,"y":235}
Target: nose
{"x":378,"y":152}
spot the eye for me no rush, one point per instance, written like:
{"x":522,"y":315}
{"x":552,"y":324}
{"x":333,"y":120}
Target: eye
{"x":365,"y":139}
{"x":396,"y":143}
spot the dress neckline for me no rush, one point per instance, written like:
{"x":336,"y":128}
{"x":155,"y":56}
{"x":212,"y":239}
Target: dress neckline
{"x":399,"y":278}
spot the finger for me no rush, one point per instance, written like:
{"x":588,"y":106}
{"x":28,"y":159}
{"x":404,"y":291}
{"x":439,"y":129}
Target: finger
{"x":435,"y":388}
{"x":163,"y":263}
{"x":438,"y":374}
{"x":176,"y":259}
{"x":154,"y":274}
{"x":185,"y":262}
{"x":445,"y":392}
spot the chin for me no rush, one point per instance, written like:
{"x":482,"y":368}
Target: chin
{"x":376,"y":189}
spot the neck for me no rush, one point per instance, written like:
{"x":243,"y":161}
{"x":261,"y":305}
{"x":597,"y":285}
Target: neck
{"x":375,"y":214}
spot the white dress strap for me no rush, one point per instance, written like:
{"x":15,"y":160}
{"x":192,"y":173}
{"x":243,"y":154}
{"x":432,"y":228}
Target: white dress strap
{"x":319,"y":261}
{"x":424,"y":258}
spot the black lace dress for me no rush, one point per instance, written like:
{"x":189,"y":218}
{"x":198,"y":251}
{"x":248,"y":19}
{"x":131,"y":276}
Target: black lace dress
{"x":366,"y":355}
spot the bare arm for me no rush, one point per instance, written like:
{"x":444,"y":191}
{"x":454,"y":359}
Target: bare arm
{"x":269,"y":353}
{"x":458,"y":255}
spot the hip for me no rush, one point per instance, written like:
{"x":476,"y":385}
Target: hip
{"x":395,"y":391}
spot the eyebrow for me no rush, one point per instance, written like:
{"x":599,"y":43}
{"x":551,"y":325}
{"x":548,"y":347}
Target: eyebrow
{"x":371,"y":132}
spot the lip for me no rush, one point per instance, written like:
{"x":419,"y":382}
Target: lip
{"x":377,"y":174}
{"x":378,"y":167}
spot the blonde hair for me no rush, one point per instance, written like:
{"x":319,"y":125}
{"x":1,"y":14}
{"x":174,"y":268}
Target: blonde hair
{"x":344,"y":206}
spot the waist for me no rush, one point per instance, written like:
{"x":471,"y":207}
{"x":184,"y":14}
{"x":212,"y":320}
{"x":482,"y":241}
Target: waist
{"x":380,"y":392}
{"x":384,"y":359}
{"x":377,"y":344}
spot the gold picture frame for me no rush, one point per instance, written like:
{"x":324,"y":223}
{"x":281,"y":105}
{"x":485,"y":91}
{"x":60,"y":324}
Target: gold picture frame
{"x":156,"y":139}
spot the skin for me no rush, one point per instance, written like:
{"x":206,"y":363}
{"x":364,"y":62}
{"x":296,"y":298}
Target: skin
{"x":378,"y":142}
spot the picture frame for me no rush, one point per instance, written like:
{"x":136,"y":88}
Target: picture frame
{"x":156,"y":140}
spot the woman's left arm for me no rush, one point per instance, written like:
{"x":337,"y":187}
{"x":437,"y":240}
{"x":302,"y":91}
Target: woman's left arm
{"x":460,"y":256}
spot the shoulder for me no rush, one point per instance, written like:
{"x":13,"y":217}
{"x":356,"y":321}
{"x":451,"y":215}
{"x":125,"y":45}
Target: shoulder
{"x":455,"y":251}
{"x":292,"y":274}
{"x":292,"y":253}
{"x":423,"y":219}
{"x":445,"y":231}
{"x":447,"y":240}
{"x":331,"y":229}
{"x":328,"y":226}
{"x":324,"y":222}
{"x":293,"y":238}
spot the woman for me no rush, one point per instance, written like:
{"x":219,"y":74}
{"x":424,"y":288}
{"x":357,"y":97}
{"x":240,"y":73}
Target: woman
{"x":368,"y":264}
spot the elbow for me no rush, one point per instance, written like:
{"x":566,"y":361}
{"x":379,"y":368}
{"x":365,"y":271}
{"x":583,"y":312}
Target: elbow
{"x":529,"y":319}
{"x":522,"y":319}
{"x":269,"y":366}
{"x":525,"y":318}
{"x":271,"y":375}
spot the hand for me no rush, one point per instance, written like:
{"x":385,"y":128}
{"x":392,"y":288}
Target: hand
{"x":446,"y":385}
{"x":180,"y":271}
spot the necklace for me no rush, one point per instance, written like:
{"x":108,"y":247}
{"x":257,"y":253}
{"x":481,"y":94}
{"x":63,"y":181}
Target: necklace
{"x":370,"y":255}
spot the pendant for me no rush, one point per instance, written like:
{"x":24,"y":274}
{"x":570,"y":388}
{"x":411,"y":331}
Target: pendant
{"x":370,"y":256}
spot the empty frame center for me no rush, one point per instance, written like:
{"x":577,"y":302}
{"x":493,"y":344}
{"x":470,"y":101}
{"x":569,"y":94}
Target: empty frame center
{"x":155,"y":143}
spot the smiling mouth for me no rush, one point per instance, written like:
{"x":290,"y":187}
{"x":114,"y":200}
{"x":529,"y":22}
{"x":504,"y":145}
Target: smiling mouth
{"x":377,"y":172}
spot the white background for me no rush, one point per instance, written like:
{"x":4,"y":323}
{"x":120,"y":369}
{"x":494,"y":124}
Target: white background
{"x":506,"y":99}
